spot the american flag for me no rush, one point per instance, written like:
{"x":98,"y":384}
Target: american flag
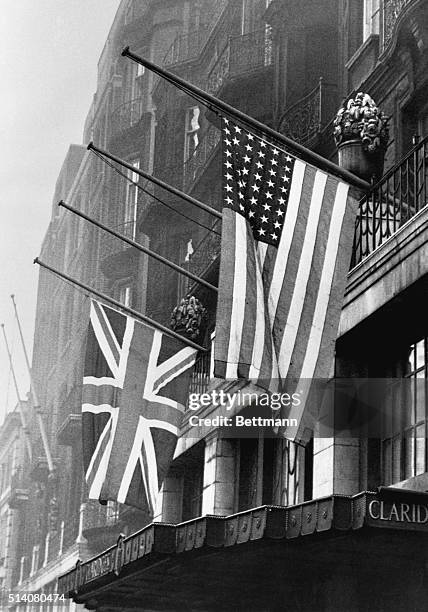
{"x":286,"y":246}
{"x":135,"y":387}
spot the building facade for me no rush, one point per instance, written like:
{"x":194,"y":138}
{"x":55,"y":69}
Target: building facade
{"x":282,"y":527}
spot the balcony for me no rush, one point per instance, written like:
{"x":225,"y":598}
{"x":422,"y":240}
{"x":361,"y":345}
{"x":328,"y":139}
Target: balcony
{"x":127,"y":115}
{"x":19,"y":489}
{"x":306,"y":119}
{"x":398,"y":197}
{"x":194,"y":166}
{"x":392,"y":11}
{"x":242,"y":55}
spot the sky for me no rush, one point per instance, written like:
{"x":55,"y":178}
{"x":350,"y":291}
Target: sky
{"x":49,"y":51}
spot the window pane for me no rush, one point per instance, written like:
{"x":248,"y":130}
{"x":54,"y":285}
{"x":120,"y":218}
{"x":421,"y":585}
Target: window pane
{"x":420,"y":449}
{"x":408,"y":452}
{"x":420,"y":354}
{"x":386,"y":462}
{"x":396,"y":458}
{"x":420,"y":396}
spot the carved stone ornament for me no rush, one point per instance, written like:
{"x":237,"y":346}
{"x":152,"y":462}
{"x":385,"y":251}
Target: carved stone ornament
{"x":189,"y":317}
{"x":360,"y":119}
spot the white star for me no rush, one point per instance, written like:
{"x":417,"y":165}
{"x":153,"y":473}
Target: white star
{"x":248,"y":147}
{"x":277,"y":225}
{"x":247,"y":159}
{"x":229,"y":200}
{"x":228,"y":188}
{"x":279,"y":212}
{"x":225,"y":120}
{"x":251,"y":213}
{"x":268,"y":195}
{"x":281,"y":201}
{"x":266,"y":206}
{"x":274,"y":236}
{"x":253,"y":201}
{"x":287,"y":168}
{"x":237,"y":129}
{"x":228,"y":153}
{"x":258,"y":176}
{"x":228,"y":177}
{"x":262,"y":154}
{"x":259,"y":165}
{"x":288,"y":158}
{"x":236,"y":141}
{"x":227,"y":142}
{"x":256,"y":188}
{"x":264,"y":219}
{"x":244,"y":171}
{"x":262,"y":232}
{"x":271,"y":184}
{"x":226,"y":131}
{"x":240,"y":195}
{"x":241,"y":184}
{"x":262,"y":144}
{"x":272,"y":172}
{"x":274,"y":162}
{"x":284,"y":189}
{"x":227,"y":164}
{"x":241,"y":207}
{"x":286,"y":179}
{"x":250,"y":136}
{"x":275,"y":152}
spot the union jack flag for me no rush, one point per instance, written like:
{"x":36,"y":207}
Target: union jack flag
{"x":135,"y":387}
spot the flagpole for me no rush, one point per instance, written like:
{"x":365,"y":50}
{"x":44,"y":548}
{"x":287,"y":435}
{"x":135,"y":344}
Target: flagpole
{"x":18,"y":395}
{"x":117,"y":304}
{"x":36,"y":404}
{"x":140,"y":247}
{"x":308,"y":155}
{"x":156,"y":181}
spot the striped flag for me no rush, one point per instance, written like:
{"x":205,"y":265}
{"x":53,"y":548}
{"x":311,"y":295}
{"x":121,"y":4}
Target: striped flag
{"x":286,"y":246}
{"x":135,"y":387}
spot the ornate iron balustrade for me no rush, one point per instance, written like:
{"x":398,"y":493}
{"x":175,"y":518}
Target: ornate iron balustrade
{"x":303,"y":121}
{"x":127,"y":115}
{"x":392,"y":10}
{"x":245,"y":53}
{"x":194,"y":166}
{"x":206,"y":251}
{"x":392,"y":202}
{"x":200,"y":378}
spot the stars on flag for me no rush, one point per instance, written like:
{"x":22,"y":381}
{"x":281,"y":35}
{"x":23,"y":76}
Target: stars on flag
{"x":257,"y":181}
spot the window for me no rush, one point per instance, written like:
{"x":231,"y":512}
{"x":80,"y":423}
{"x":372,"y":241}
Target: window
{"x":371,"y":18}
{"x":252,"y":15}
{"x":191,"y":137}
{"x":131,"y":201}
{"x":35,"y":559}
{"x":125,"y":294}
{"x":404,"y":454}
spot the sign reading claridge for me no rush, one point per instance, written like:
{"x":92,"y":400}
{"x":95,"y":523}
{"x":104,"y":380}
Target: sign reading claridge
{"x":397,"y":514}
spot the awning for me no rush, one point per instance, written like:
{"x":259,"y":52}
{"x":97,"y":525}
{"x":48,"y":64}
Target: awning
{"x":374,"y":543}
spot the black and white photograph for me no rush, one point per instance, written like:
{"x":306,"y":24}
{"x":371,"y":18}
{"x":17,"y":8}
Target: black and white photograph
{"x":214,"y":306}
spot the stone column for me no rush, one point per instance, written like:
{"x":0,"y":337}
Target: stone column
{"x":219,"y":476}
{"x":171,"y":499}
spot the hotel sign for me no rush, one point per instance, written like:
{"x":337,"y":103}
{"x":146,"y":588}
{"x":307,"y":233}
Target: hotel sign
{"x":397,"y":514}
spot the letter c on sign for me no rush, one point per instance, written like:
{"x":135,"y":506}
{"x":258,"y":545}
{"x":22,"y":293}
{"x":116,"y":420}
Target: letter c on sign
{"x":371,"y":504}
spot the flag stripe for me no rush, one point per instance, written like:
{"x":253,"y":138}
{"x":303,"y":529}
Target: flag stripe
{"x":300,"y":285}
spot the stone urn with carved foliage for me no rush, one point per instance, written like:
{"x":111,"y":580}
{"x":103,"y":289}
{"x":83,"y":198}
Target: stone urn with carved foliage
{"x":189,"y":318}
{"x":361,"y":135}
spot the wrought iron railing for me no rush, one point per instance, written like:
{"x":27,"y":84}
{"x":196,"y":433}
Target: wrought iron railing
{"x":242,"y":54}
{"x":201,"y":374}
{"x":193,"y":167}
{"x":392,"y":202}
{"x":392,"y":9}
{"x":206,"y":251}
{"x":306,"y":119}
{"x":127,"y":115}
